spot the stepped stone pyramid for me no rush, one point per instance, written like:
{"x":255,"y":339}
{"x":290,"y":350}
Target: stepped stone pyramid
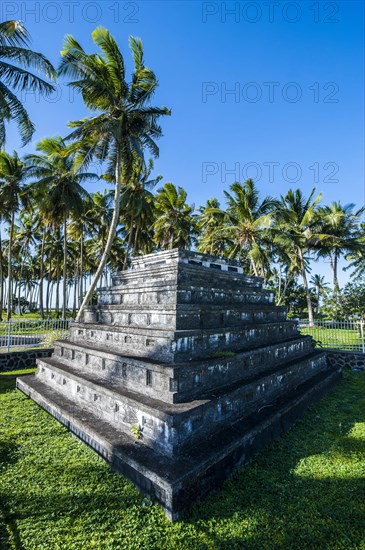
{"x":183,"y":371}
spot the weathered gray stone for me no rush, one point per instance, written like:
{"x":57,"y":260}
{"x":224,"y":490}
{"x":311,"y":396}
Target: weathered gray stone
{"x":194,"y":354}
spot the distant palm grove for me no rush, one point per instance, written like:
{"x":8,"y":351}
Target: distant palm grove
{"x":60,"y":241}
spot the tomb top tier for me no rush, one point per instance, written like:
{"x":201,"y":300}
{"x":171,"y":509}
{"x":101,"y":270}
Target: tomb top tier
{"x":187,"y":257}
{"x":168,"y":262}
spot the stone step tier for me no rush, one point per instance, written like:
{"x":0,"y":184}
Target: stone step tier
{"x":179,"y":382}
{"x":182,"y":316}
{"x":182,"y":345}
{"x":166,"y":293}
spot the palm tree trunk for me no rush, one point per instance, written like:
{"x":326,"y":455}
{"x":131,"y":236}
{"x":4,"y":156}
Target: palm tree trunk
{"x":254,"y":268}
{"x":57,"y":290}
{"x":20,"y":285}
{"x":10,"y":297}
{"x":51,"y":297}
{"x":75,"y":291}
{"x":32,"y":295}
{"x":110,"y":240}
{"x":48,"y":294}
{"x":41,"y":275}
{"x":129,"y":244}
{"x":135,"y":241}
{"x":1,"y":278}
{"x":283,"y":293}
{"x":64,"y":303}
{"x":280,"y":281}
{"x":306,"y":286}
{"x":317,"y":307}
{"x":14,"y":293}
{"x":81,"y":267}
{"x":336,"y":286}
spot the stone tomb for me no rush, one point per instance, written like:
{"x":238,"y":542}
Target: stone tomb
{"x":183,"y":371}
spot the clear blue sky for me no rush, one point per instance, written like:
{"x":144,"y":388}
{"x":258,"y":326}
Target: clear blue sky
{"x":270,"y":90}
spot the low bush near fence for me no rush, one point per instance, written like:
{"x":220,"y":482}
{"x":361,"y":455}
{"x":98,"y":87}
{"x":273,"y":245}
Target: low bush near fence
{"x":30,"y":334}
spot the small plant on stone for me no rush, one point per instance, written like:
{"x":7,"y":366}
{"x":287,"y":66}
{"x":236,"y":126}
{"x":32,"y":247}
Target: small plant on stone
{"x":52,"y":337}
{"x":136,"y":430}
{"x":316,"y":343}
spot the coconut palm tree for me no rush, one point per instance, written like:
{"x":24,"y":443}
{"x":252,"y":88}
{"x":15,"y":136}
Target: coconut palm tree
{"x":339,"y":230}
{"x":357,"y":257}
{"x":210,"y":228}
{"x":26,"y":237}
{"x":81,"y":226}
{"x":247,"y":220}
{"x":124,"y":123}
{"x":17,"y":78}
{"x":138,"y":204}
{"x":296,"y":219}
{"x":2,"y":216}
{"x":288,"y":269}
{"x":321,"y":287}
{"x":58,"y":188}
{"x":12,"y":196}
{"x":174,"y":225}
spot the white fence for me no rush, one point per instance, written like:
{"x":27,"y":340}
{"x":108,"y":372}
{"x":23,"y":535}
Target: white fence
{"x":38,"y":333}
{"x":345,"y":335}
{"x":29,"y":334}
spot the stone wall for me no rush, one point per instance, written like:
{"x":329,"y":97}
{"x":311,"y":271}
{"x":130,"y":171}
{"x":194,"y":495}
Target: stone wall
{"x":26,"y":359}
{"x":351,"y":359}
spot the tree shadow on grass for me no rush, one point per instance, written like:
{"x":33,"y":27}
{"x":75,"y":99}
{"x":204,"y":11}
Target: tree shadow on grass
{"x":8,"y":453}
{"x":9,"y":535}
{"x":7,"y":383}
{"x":305,"y":491}
{"x":89,"y":489}
{"x":8,"y":379}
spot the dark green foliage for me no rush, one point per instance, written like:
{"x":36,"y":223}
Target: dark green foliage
{"x":305,"y":491}
{"x":15,"y":60}
{"x":347,"y":305}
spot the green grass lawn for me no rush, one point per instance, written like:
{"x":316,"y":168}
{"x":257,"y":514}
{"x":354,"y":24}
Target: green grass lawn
{"x":334,"y":337}
{"x":305,"y":491}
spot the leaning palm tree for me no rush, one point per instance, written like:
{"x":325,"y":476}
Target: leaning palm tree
{"x":174,"y":225}
{"x":58,"y":187}
{"x":124,"y":123}
{"x":17,"y":78}
{"x":12,"y":197}
{"x":100,"y":216}
{"x":295,"y":231}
